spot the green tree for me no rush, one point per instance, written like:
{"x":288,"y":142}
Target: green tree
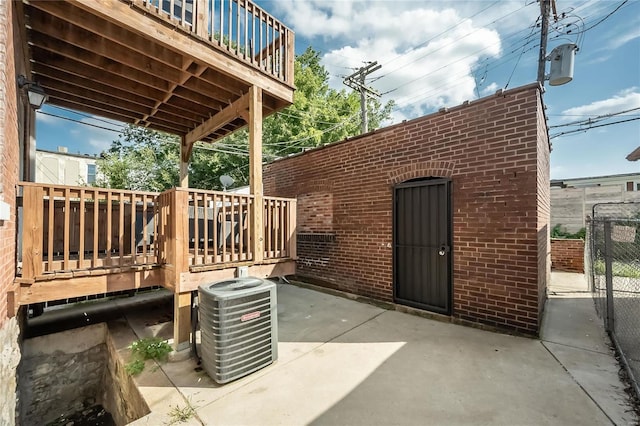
{"x":141,"y":159}
{"x":144,"y":159}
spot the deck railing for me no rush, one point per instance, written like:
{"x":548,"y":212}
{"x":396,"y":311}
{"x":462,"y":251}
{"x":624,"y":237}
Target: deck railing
{"x":73,"y":229}
{"x":238,"y":27}
{"x":280,"y":224}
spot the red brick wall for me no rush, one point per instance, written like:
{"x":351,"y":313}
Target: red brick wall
{"x":544,"y":208}
{"x":11,"y":113}
{"x":492,"y":151}
{"x":567,"y":255}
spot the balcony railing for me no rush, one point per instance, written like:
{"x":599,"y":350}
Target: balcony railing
{"x":80,"y":230}
{"x":238,"y":27}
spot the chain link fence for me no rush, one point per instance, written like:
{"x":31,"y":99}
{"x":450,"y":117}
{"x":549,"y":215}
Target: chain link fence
{"x":613,"y":269}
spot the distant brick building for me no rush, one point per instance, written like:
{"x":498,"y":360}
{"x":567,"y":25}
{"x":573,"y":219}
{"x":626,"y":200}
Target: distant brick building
{"x":448,"y":212}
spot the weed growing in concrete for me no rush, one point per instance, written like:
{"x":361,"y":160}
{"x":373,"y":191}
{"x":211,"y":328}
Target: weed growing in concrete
{"x":134,"y":367}
{"x":181,"y":414}
{"x":149,"y":348}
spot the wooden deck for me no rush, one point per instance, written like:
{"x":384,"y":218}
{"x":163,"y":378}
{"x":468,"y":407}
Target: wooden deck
{"x":80,"y":241}
{"x":198,"y":69}
{"x":166,"y":64}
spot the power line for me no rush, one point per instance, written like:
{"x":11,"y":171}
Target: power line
{"x":93,"y":117}
{"x":518,"y":60}
{"x":450,"y":43}
{"x":465,"y":57}
{"x":606,"y":17}
{"x":424,"y":43}
{"x":421,"y":95}
{"x":568,"y":132}
{"x":80,"y":122}
{"x":594,"y":119}
{"x":357,"y":81}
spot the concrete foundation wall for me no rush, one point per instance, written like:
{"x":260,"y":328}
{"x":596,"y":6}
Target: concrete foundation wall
{"x":10,"y":357}
{"x":496,"y":153}
{"x":120,"y":395}
{"x":570,"y":206}
{"x":61,"y":373}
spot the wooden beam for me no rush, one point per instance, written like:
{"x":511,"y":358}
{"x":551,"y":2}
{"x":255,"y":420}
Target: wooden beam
{"x":56,"y":289}
{"x":181,"y":321}
{"x":64,"y":52}
{"x":255,"y":172}
{"x":76,"y":23}
{"x":228,"y":114}
{"x":193,"y":280}
{"x":121,"y":13}
{"x":185,"y":155}
{"x":59,"y":33}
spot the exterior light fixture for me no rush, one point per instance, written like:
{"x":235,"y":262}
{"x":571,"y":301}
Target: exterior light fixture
{"x":37,"y":95}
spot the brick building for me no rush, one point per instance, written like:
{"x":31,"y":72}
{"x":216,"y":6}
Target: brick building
{"x":17,"y":121}
{"x":448,"y":212}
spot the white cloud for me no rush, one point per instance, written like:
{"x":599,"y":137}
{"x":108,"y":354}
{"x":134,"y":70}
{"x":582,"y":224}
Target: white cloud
{"x":428,"y":50}
{"x":622,"y":101}
{"x":47,"y":119}
{"x":95,"y":139}
{"x":99,"y":139}
{"x":490,"y":89}
{"x":625,"y":37}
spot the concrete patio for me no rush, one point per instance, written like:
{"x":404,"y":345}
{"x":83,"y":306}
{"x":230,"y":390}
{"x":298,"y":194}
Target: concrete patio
{"x":346,"y":362}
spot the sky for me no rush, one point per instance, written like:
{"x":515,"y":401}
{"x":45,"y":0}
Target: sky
{"x":442,"y":53}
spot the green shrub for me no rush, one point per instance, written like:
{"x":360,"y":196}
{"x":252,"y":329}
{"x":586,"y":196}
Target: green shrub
{"x":148,"y":348}
{"x":151,"y":348}
{"x":558,"y":232}
{"x":619,"y":269}
{"x":134,"y":367}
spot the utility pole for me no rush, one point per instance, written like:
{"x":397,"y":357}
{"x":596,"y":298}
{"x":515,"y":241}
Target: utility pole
{"x":545,"y":6}
{"x":357,"y":82}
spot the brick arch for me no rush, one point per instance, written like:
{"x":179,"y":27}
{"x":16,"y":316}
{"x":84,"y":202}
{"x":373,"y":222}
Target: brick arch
{"x":316,"y":185}
{"x":416,"y":170}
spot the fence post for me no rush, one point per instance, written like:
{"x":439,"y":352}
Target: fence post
{"x":293,"y":253}
{"x":32,"y":238}
{"x":608,"y":261}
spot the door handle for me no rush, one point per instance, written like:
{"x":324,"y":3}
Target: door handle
{"x":443,"y":250}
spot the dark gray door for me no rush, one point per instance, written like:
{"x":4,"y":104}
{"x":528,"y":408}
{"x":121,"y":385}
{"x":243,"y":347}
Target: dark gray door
{"x":422,"y":244}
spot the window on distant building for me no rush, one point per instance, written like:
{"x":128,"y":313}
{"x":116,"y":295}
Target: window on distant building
{"x":629,"y":186}
{"x":91,"y":173}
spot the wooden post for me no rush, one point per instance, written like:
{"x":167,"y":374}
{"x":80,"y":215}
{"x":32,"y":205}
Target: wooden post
{"x":201,"y":19}
{"x":255,"y":172}
{"x":185,"y":154}
{"x":291,"y":57}
{"x":181,"y":321}
{"x":293,"y":253}
{"x":33,"y":216}
{"x":179,"y":217}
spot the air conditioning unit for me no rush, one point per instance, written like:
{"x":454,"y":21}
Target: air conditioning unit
{"x":238,"y":327}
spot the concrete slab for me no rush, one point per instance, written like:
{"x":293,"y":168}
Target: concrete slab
{"x":345,"y":362}
{"x":306,"y":320}
{"x":563,"y":282}
{"x":573,"y":321}
{"x":597,"y":374}
{"x":402,"y":369}
{"x":575,"y":336}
